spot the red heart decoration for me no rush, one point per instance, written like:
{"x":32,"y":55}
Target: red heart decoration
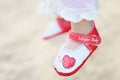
{"x":68,"y":62}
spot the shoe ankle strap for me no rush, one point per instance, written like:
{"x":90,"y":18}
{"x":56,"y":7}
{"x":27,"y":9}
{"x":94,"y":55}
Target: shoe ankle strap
{"x":91,"y":38}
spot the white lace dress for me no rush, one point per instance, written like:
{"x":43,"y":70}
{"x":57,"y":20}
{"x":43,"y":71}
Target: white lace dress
{"x":73,"y":10}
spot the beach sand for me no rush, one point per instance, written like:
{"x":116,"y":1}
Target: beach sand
{"x":24,"y":55}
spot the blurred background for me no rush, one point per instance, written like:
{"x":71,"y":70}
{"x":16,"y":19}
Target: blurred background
{"x":25,"y":56}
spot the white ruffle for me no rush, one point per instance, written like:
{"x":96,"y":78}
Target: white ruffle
{"x":77,"y":16}
{"x":73,"y":16}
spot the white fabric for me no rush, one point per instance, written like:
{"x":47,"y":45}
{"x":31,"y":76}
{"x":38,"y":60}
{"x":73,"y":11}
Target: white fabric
{"x":52,"y":29}
{"x":80,"y":54}
{"x":73,"y":16}
{"x":77,"y":16}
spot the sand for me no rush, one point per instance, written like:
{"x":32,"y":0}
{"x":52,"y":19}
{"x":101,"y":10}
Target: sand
{"x":25,"y":56}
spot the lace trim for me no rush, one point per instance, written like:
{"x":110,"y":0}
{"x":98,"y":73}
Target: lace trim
{"x":77,"y":16}
{"x":73,"y":16}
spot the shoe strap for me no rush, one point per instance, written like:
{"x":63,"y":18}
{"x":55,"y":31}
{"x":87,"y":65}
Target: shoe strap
{"x":64,"y":25}
{"x":92,"y":37}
